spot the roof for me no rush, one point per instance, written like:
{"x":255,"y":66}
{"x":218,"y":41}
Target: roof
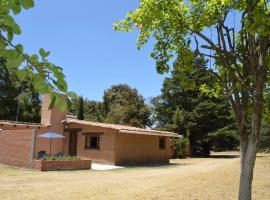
{"x":122,"y":128}
{"x":18,"y":123}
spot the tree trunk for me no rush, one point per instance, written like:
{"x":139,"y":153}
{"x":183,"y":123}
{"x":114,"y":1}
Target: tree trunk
{"x":248,"y":148}
{"x":249,"y":141}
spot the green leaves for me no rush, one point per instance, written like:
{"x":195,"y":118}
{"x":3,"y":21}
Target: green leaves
{"x":13,"y":25}
{"x":14,"y":63}
{"x":16,"y":7}
{"x":58,"y":100}
{"x":217,"y":91}
{"x":28,"y":4}
{"x":123,"y":105}
{"x":21,"y":74}
{"x":44,"y":54}
{"x":45,"y":76}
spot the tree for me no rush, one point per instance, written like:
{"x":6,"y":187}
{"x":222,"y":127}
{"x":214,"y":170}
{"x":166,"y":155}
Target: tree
{"x":123,"y":105}
{"x":224,"y":139}
{"x":240,"y":55}
{"x":47,"y":77}
{"x":8,"y":93}
{"x":186,"y":110}
{"x":80,"y":114}
{"x":18,"y":99}
{"x":74,"y":106}
{"x":264,"y":144}
{"x":93,"y":110}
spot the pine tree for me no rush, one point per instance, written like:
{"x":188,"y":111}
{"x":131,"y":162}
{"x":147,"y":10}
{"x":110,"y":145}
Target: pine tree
{"x":80,"y":114}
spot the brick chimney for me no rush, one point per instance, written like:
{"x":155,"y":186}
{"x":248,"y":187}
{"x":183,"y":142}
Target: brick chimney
{"x":51,"y":117}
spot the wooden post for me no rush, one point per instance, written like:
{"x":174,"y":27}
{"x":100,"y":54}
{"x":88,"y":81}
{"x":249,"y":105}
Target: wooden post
{"x":33,"y":148}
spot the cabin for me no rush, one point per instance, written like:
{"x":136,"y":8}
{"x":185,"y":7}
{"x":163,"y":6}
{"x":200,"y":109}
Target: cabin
{"x":101,"y":142}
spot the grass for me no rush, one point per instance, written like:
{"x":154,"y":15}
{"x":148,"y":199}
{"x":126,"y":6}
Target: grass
{"x":195,"y":178}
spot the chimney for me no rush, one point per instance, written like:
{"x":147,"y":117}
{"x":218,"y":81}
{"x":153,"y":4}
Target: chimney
{"x":51,"y":117}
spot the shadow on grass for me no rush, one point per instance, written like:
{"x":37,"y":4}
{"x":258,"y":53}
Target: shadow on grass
{"x":156,"y":165}
{"x":263,"y":156}
{"x":224,"y":156}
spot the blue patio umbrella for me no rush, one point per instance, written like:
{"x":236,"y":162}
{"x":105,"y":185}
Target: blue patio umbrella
{"x":51,"y":135}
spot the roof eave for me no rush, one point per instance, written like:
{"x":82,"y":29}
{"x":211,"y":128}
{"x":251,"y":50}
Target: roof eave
{"x":148,"y":133}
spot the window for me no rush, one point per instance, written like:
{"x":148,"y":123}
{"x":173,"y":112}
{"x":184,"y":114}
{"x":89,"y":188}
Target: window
{"x":162,"y":143}
{"x":92,"y":142}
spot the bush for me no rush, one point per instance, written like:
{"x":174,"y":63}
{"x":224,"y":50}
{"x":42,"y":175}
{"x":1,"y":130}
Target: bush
{"x":224,"y":139}
{"x":266,"y":150}
{"x":62,"y":158}
{"x":264,"y":143}
{"x":179,"y":145}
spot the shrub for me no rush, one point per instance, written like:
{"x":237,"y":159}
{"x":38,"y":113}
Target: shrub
{"x":266,"y":150}
{"x":264,"y":143}
{"x":62,"y":158}
{"x":178,"y":146}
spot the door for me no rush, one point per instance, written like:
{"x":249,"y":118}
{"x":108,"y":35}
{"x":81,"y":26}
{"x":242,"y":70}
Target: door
{"x":73,"y":143}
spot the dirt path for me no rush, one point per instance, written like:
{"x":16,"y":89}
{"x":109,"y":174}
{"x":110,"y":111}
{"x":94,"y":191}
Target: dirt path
{"x":206,"y":179}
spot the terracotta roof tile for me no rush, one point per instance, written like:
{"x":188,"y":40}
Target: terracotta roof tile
{"x":18,"y":123}
{"x":122,"y":128}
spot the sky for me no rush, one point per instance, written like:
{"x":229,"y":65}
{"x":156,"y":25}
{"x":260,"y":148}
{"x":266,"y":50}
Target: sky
{"x":82,"y":41}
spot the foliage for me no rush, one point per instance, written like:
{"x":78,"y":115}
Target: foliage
{"x":264,"y":143}
{"x":224,"y":139}
{"x":178,"y":146}
{"x":186,"y":110}
{"x":60,"y":158}
{"x":80,"y":114}
{"x":121,"y":105}
{"x":124,"y":105}
{"x":17,"y":97}
{"x":74,"y":106}
{"x":240,"y":55}
{"x":93,"y":110}
{"x":47,"y":77}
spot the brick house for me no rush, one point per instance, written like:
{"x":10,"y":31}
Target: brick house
{"x":100,"y":142}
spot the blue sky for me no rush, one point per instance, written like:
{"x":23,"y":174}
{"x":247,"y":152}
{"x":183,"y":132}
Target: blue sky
{"x":81,"y":39}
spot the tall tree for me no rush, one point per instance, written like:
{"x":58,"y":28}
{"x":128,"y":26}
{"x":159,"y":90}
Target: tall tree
{"x":93,"y":110}
{"x":18,"y":99}
{"x":8,"y":93}
{"x":240,"y":54}
{"x":123,"y":105}
{"x":80,"y":114}
{"x":182,"y":107}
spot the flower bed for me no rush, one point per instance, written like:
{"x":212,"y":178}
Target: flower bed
{"x":62,"y":158}
{"x":54,"y":165}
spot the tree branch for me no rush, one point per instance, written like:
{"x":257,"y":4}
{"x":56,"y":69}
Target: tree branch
{"x":26,"y":57}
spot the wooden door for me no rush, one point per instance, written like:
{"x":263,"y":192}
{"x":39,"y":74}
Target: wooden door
{"x":73,"y":143}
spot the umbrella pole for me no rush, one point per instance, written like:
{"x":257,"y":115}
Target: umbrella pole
{"x":50,"y":146}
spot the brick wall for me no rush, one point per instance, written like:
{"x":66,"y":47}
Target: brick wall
{"x":121,"y":148}
{"x":140,"y":149}
{"x":105,"y":154}
{"x":51,"y":117}
{"x":43,"y":144}
{"x":47,"y":165}
{"x":15,"y":147}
